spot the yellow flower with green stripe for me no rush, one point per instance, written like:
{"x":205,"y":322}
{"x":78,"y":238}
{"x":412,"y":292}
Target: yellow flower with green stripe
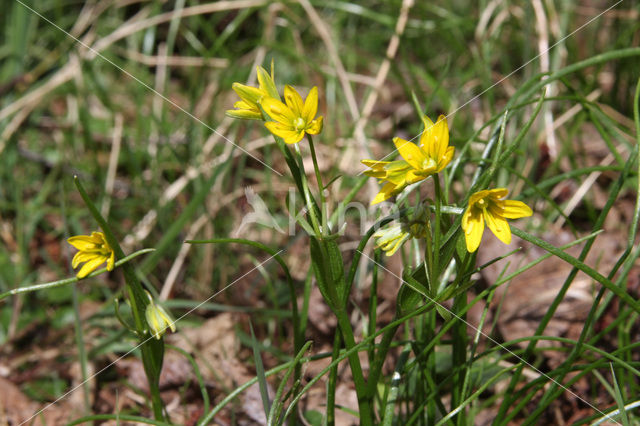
{"x":391,"y":238}
{"x":158,"y":319}
{"x":430,"y":156}
{"x":487,"y":207}
{"x":247,"y":107}
{"x":94,"y":250}
{"x":293,"y":118}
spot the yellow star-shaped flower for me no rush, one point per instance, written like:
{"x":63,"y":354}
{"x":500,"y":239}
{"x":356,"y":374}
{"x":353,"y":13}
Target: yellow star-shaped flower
{"x":487,"y":207}
{"x":94,"y":250}
{"x":293,"y":118}
{"x":430,"y":156}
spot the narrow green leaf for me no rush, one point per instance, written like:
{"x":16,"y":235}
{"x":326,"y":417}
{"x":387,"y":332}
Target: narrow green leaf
{"x":262,"y":378}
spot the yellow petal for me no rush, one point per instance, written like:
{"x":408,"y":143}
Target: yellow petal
{"x":376,"y":166}
{"x":248,"y":94}
{"x":513,"y":209}
{"x":167,"y":318}
{"x":293,"y":138}
{"x":287,"y":133}
{"x":244,"y":105}
{"x":441,"y":137}
{"x":374,"y":163}
{"x":311,"y":106}
{"x":111,"y":261}
{"x":498,"y":225}
{"x":395,"y":166}
{"x":277,"y":110}
{"x":266,"y":83}
{"x":475,"y":197}
{"x":293,"y":100}
{"x":378,"y":174}
{"x":154,"y":321}
{"x":82,"y":242}
{"x":410,"y":152}
{"x":498,"y":193}
{"x":412,"y":176}
{"x":427,"y":142}
{"x":426,"y":121}
{"x":245,"y":114}
{"x":393,"y":246}
{"x":473,"y":227}
{"x":315,"y":126}
{"x":81,"y":257}
{"x":387,"y":191}
{"x":90,"y":266}
{"x":446,"y":159}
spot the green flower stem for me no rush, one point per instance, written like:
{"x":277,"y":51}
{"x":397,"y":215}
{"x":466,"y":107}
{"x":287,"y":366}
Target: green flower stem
{"x":430,"y":334}
{"x":66,"y":281}
{"x":311,"y":208}
{"x":152,"y":350}
{"x":323,"y":206}
{"x":436,"y":232}
{"x":375,"y":369}
{"x":347,"y":199}
{"x":332,"y":382}
{"x":459,"y":351}
{"x":373,"y":302}
{"x":364,"y":399}
{"x":428,"y":258}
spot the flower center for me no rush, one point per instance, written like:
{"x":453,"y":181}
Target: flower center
{"x":299,"y":124}
{"x":428,"y":163}
{"x":482,"y":203}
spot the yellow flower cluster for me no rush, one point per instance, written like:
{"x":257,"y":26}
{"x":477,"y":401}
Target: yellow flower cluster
{"x":290,"y":120}
{"x":429,"y":157}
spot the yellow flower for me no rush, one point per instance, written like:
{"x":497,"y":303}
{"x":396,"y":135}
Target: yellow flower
{"x":418,"y":161}
{"x":94,"y":250}
{"x":247,"y":107}
{"x":391,"y":238}
{"x":295,"y":118}
{"x":158,"y":319}
{"x":487,"y":207}
{"x":395,"y":175}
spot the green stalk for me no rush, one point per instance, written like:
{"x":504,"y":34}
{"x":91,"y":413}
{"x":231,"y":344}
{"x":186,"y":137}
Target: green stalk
{"x":152,"y":349}
{"x":459,"y":349}
{"x":311,"y":206}
{"x":436,"y":233}
{"x":430,"y":318}
{"x":323,"y":206}
{"x":373,"y":302}
{"x":333,"y":381}
{"x":59,"y":283}
{"x":364,"y":400}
